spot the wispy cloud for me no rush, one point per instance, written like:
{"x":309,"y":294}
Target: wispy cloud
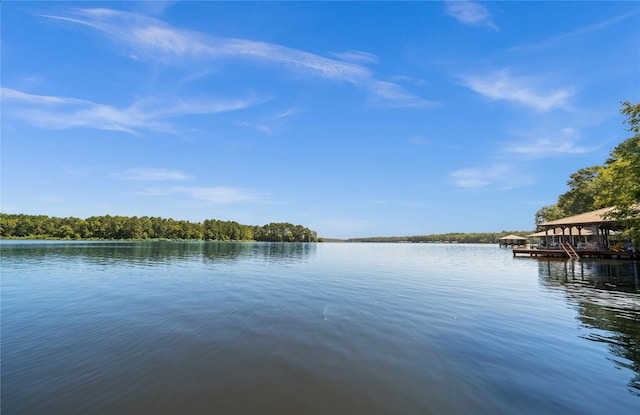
{"x":153,"y":191}
{"x":207,"y":195}
{"x":545,"y":147}
{"x":356,"y":56}
{"x":14,"y":95}
{"x":390,"y":94}
{"x":61,"y":113}
{"x":220,"y":195}
{"x":539,"y":144}
{"x":272,"y":123}
{"x":578,"y":32}
{"x":470,"y":13}
{"x":148,"y":38}
{"x":475,"y":177}
{"x":263,"y":128}
{"x":150,"y":174}
{"x":502,"y":85}
{"x":496,"y":177}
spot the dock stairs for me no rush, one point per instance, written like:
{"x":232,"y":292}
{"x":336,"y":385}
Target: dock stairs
{"x":568,"y":249}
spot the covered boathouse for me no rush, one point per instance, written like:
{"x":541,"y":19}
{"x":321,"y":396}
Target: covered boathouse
{"x":513,"y":240}
{"x":590,"y":234}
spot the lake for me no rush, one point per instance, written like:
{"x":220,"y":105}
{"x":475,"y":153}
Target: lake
{"x":330,"y":328}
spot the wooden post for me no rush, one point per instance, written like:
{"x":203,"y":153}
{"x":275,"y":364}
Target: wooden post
{"x":546,"y":238}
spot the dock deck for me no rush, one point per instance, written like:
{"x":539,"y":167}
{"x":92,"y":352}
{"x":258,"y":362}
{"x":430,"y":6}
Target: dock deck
{"x":560,"y":253}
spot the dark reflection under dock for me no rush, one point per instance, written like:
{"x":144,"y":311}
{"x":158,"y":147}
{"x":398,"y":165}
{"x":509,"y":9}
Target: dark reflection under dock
{"x":606,"y":295}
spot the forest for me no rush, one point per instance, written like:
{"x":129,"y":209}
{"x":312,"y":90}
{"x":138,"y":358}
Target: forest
{"x":456,"y":237}
{"x":143,"y":228}
{"x":616,"y":183}
{"x":149,"y":228}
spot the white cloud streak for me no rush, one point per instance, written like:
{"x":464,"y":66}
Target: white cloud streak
{"x":542,"y":144}
{"x":470,"y":13}
{"x":545,"y":147}
{"x":578,"y":32}
{"x":263,"y":128}
{"x":146,"y":114}
{"x":147,"y":38}
{"x":209,"y":195}
{"x":388,"y":93}
{"x":271,"y":123}
{"x":475,"y":177}
{"x":357,"y":56}
{"x":12,"y":94}
{"x":220,"y":195}
{"x":502,"y":85}
{"x":150,"y":174}
{"x":152,"y":39}
{"x":497,"y":177}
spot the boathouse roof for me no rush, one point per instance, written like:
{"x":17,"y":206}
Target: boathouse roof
{"x":593,"y":218}
{"x":512,"y":238}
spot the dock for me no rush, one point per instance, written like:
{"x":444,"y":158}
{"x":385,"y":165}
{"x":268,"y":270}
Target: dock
{"x":592,"y":234}
{"x":561,"y":253}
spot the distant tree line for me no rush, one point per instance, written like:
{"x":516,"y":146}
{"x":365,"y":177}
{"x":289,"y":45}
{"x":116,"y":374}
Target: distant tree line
{"x":479,"y":238}
{"x":140,"y":228}
{"x":616,"y":183}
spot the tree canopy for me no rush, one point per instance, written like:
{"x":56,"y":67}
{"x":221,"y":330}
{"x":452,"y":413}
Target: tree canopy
{"x":616,"y":183}
{"x":140,"y":228}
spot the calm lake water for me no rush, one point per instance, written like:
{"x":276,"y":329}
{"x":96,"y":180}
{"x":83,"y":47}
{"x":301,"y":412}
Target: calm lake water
{"x":259,"y":328}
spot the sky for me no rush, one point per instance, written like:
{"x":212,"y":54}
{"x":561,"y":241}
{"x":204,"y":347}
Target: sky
{"x":353,"y":119}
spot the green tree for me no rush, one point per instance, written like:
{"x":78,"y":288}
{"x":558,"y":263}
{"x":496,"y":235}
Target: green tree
{"x":620,"y":177}
{"x":160,"y":228}
{"x":146,"y":226}
{"x":580,"y":198}
{"x":121,"y":227}
{"x":8,"y":224}
{"x":582,"y":193}
{"x":66,"y":232}
{"x":549,"y":213}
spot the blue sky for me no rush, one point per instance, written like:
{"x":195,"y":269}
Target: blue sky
{"x":351,"y":118}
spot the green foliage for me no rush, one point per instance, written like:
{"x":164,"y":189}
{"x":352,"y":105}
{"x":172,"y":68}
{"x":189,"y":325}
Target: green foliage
{"x":615,"y":184}
{"x":284,"y":232}
{"x":620,"y":177}
{"x":135,"y":228}
{"x":549,"y":213}
{"x":583,"y":190}
{"x":582,"y":196}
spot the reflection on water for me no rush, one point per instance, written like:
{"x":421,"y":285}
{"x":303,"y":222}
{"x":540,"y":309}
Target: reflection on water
{"x":606,"y":295}
{"x":245,"y":328}
{"x":604,"y":275}
{"x":154,"y":253}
